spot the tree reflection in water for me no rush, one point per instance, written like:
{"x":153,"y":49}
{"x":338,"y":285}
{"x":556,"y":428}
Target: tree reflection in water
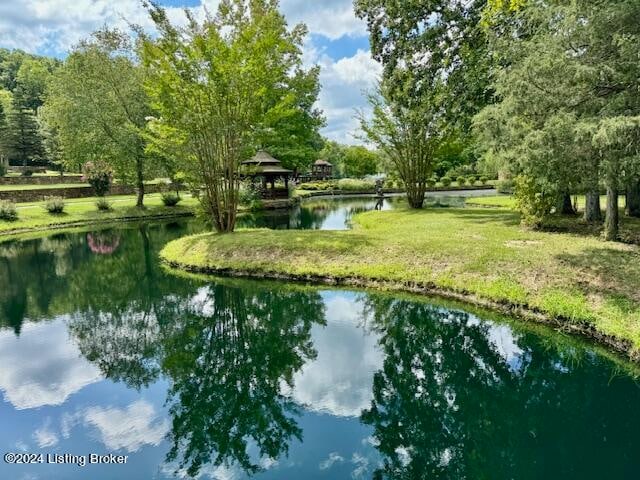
{"x":462,"y":398}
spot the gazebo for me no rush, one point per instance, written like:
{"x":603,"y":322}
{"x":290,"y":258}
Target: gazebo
{"x":269,"y":170}
{"x":322,"y":170}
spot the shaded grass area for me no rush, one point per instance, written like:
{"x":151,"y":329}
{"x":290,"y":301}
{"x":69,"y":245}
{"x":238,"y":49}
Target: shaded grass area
{"x":14,"y":188}
{"x":474,"y":251}
{"x":629,"y":227}
{"x":83,"y":210}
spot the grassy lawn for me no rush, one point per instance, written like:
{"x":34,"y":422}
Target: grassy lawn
{"x":508,"y":201}
{"x":34,"y":216}
{"x":474,"y":251}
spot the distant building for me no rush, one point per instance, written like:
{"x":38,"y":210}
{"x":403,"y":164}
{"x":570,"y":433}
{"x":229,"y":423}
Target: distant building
{"x":268,"y":170}
{"x":322,"y":170}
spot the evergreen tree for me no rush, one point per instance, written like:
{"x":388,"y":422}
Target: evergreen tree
{"x":24,"y":140}
{"x":3,"y":140}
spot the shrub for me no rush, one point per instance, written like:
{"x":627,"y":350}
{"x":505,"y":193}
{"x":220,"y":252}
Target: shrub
{"x":3,"y":169}
{"x":446,"y":181}
{"x":350,"y":184}
{"x":533,"y":201}
{"x":170,"y":199}
{"x":104,"y":205}
{"x":317,"y":186}
{"x":54,"y":205}
{"x":99,"y":175}
{"x":27,"y":173}
{"x":431,"y":182}
{"x":8,"y":211}
{"x":461,"y":180}
{"x":471,"y":180}
{"x":505,"y":186}
{"x":484,"y":180}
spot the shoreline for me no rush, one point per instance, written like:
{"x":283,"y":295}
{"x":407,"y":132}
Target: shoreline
{"x":520,"y":311}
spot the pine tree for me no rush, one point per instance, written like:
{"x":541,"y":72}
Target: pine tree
{"x":24,"y":140}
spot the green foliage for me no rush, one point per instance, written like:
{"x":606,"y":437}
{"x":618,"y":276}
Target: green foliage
{"x":98,"y":106}
{"x":534,"y":201}
{"x":461,"y":180}
{"x":245,"y":56}
{"x":170,"y":199}
{"x":359,"y":161}
{"x":446,"y":181}
{"x":8,"y":211}
{"x":99,"y":175}
{"x":54,"y":205}
{"x":431,"y":182}
{"x":354,"y":185}
{"x":505,"y":186}
{"x":321,"y":185}
{"x":103,"y":205}
{"x":24,"y":139}
{"x":484,"y":180}
{"x":472,"y":179}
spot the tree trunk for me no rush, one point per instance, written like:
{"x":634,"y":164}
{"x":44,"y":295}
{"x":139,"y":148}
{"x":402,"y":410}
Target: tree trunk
{"x":612,"y":222}
{"x":633,"y":199}
{"x":415,"y":195}
{"x":140,"y":183}
{"x":592,"y":210}
{"x":566,"y":207}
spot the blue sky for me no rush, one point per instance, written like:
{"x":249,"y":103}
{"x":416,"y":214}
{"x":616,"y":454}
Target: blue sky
{"x":337,"y":41}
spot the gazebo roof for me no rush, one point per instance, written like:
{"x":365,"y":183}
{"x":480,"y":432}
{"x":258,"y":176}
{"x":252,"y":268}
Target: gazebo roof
{"x":264,"y":164}
{"x":323,"y":163}
{"x":262,"y":158}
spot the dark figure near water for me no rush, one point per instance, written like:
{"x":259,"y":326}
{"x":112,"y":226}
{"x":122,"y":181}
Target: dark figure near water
{"x":379,"y":195}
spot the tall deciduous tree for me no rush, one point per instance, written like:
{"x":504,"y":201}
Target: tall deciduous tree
{"x":216,"y":87}
{"x":409,"y":137}
{"x":98,"y":104}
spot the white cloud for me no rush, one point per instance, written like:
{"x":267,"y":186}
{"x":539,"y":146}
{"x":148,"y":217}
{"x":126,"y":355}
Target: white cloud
{"x":129,"y":428}
{"x":42,"y":366}
{"x":339,"y":381}
{"x":45,"y":436}
{"x":331,"y":18}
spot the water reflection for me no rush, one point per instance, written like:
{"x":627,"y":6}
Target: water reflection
{"x":235,"y":379}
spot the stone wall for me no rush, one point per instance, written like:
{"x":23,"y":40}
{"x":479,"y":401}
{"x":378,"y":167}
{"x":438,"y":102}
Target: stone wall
{"x":36,"y":180}
{"x":20,"y":196}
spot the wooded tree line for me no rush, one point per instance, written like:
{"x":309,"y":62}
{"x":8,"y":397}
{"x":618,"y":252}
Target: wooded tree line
{"x":546,"y":90}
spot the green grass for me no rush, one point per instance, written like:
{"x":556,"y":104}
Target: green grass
{"x":474,"y":251}
{"x":83,"y":210}
{"x":508,"y":201}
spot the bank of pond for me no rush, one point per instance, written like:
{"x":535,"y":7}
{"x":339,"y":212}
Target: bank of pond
{"x":103,"y":350}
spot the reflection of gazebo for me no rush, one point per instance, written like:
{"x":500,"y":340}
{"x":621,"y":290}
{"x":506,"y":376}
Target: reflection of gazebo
{"x":269,"y":170}
{"x":322,"y":170}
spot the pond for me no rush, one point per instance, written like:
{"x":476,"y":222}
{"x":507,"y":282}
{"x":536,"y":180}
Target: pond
{"x":103,"y":352}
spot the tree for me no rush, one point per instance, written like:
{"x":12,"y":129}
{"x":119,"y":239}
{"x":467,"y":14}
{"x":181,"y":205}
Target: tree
{"x":98,"y":105}
{"x":4,"y":140}
{"x":216,"y":86}
{"x":359,"y":161}
{"x":428,"y":45}
{"x":31,"y":82}
{"x":409,"y":137}
{"x":567,"y":105}
{"x":291,"y":133}
{"x":25,"y":142}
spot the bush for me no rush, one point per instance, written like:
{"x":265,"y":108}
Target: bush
{"x":3,"y":169}
{"x":533,"y":201}
{"x":250,"y":195}
{"x":446,"y":181}
{"x":27,"y":173}
{"x":471,"y":180}
{"x":8,"y":211}
{"x":170,"y":199}
{"x":505,"y":186}
{"x":317,"y":186}
{"x":99,"y":175}
{"x":104,"y":205}
{"x":54,"y":205}
{"x":461,"y":180}
{"x":484,"y":180}
{"x":350,"y":184}
{"x":431,"y":182}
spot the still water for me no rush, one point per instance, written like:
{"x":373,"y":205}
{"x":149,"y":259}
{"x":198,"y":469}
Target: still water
{"x":101,"y":351}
